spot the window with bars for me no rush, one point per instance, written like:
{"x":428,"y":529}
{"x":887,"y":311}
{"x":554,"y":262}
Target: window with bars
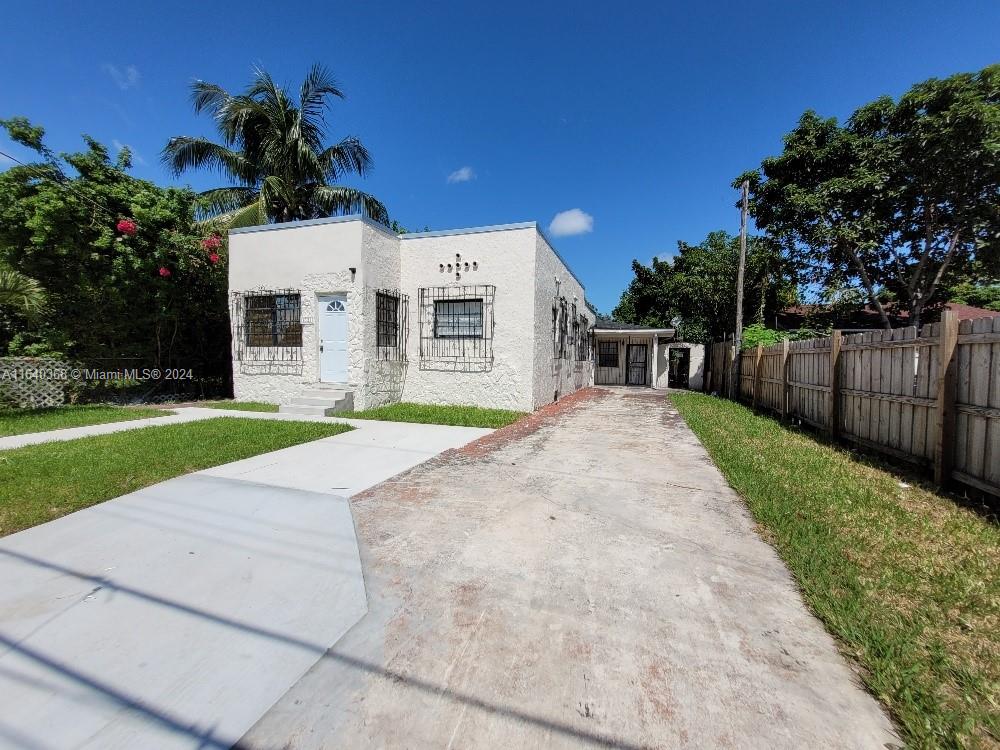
{"x":272,"y":320}
{"x":458,"y":319}
{"x":583,"y":340}
{"x":456,"y":325}
{"x":563,"y":329}
{"x":574,"y":338}
{"x":607,"y":354}
{"x":386,"y":320}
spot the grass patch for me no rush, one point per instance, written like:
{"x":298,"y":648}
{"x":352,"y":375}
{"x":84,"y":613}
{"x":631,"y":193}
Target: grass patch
{"x":462,"y":416}
{"x":905,"y":578}
{"x":239,"y":405}
{"x":42,"y":482}
{"x":24,"y":421}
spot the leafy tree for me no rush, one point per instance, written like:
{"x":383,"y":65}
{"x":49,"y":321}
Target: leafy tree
{"x":130,"y":279}
{"x":272,"y":150}
{"x":696,"y":289}
{"x":901,"y":199}
{"x":978,"y":295}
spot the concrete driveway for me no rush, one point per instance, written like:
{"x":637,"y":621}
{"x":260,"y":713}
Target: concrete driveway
{"x":177,"y":615}
{"x":584,"y":579}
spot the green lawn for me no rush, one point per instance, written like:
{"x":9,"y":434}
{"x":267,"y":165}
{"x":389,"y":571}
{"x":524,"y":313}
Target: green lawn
{"x":42,"y":482}
{"x":464,"y":416}
{"x":23,"y":421}
{"x":908,"y":581}
{"x":239,"y":405}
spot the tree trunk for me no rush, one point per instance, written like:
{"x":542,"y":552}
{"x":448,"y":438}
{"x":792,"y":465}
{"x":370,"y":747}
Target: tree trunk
{"x":869,"y":287}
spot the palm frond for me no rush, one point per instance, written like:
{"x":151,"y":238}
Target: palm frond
{"x":333,"y":200}
{"x":185,"y":152}
{"x":225,"y":200}
{"x":319,"y":83}
{"x":349,"y":156}
{"x":208,"y":96}
{"x":20,"y":292}
{"x":251,"y":215}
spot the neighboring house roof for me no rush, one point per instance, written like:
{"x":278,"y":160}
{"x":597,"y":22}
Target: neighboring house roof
{"x":968,"y":312}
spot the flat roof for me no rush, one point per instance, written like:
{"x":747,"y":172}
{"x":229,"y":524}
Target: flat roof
{"x":312,"y":223}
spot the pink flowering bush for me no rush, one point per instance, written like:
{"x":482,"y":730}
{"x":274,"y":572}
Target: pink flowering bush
{"x":126,"y":227}
{"x":212,"y":242}
{"x":164,"y":271}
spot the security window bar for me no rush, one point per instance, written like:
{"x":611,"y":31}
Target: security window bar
{"x":583,"y":340}
{"x":607,"y":354}
{"x":267,"y":325}
{"x":574,"y":339}
{"x":273,"y":320}
{"x":391,"y":307}
{"x":563,"y":328}
{"x":386,"y":321}
{"x":458,"y":319}
{"x":456,"y":324}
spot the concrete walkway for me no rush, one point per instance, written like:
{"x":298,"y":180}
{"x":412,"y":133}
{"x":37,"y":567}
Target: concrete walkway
{"x":586,"y":578}
{"x":177,"y":615}
{"x":192,"y":414}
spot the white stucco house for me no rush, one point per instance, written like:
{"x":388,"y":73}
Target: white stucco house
{"x":340,"y":313}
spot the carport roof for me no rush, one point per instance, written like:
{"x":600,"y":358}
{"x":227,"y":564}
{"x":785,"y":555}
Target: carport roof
{"x":604,"y":324}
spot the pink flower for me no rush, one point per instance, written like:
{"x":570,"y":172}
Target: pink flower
{"x":213,"y":258}
{"x":212,"y":243}
{"x":126,"y":226}
{"x":164,"y":271}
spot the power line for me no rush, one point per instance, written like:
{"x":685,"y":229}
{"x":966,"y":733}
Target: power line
{"x":64,"y":182}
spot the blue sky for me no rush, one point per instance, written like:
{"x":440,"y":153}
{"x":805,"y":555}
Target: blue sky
{"x":636,"y":115}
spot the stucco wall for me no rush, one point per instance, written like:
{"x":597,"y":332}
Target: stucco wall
{"x":696,"y":364}
{"x":554,"y":377}
{"x":505,"y":259}
{"x":380,"y":381}
{"x":315,"y":260}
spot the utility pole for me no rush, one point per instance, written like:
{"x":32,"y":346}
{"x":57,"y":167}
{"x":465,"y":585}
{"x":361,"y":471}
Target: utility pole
{"x":738,"y":339}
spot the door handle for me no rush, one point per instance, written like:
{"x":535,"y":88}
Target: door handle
{"x":321,"y":348}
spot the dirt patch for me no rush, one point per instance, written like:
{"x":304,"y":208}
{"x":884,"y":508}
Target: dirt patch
{"x":529,"y":424}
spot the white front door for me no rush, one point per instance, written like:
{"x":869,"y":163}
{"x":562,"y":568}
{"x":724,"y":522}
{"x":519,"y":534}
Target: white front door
{"x":333,"y":338}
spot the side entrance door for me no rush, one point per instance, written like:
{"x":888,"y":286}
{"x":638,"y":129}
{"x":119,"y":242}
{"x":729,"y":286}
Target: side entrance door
{"x":333,"y":338}
{"x":680,"y":364}
{"x":635,"y":363}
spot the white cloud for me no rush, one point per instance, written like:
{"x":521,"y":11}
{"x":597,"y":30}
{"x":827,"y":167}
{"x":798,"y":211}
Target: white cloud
{"x":136,"y":159}
{"x":461,"y":175}
{"x":570,"y":222}
{"x":124,"y":79}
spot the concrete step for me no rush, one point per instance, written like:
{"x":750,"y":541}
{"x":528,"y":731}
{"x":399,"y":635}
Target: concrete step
{"x":316,"y":401}
{"x":313,"y":411}
{"x":332,"y":402}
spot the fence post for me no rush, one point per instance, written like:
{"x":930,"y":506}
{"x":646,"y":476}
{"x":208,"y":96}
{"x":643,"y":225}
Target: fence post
{"x":756,"y":374}
{"x":728,"y":370}
{"x":947,"y":365}
{"x":833,"y":407}
{"x":784,"y":380}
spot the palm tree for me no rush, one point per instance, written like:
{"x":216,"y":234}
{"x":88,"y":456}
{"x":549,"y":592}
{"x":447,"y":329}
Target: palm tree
{"x":19,"y":292}
{"x":273,"y":151}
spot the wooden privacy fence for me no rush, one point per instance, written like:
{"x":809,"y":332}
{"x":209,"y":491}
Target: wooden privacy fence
{"x":931,"y":397}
